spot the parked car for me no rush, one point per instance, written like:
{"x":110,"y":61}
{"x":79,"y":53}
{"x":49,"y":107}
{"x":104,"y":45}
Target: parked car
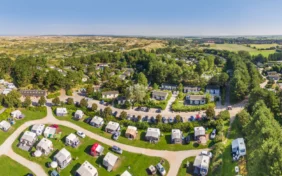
{"x":115,"y":113}
{"x":152,"y":119}
{"x":170,"y":120}
{"x":206,"y":153}
{"x":213,"y":133}
{"x":187,"y":139}
{"x":87,"y":120}
{"x":158,"y":111}
{"x":192,"y":118}
{"x":164,"y":120}
{"x":81,"y":134}
{"x":117,"y":149}
{"x":145,"y":119}
{"x":102,"y":102}
{"x":116,"y":135}
{"x":161,"y":169}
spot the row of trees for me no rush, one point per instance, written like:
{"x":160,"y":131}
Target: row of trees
{"x":263,"y":138}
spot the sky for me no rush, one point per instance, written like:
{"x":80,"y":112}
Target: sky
{"x":146,"y":17}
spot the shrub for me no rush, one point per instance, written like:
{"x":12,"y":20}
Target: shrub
{"x":53,"y":95}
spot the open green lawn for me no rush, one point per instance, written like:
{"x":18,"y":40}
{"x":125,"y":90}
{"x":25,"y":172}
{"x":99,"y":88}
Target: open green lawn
{"x":228,"y":168}
{"x":163,"y":144}
{"x":183,"y":170}
{"x":138,"y":163}
{"x":265,"y":53}
{"x":10,"y":167}
{"x":236,"y":48}
{"x":29,"y":115}
{"x":264,"y":46}
{"x":231,"y":47}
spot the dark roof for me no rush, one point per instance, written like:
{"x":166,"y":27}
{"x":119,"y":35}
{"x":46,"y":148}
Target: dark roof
{"x":169,"y":84}
{"x":212,"y":87}
{"x":33,"y":93}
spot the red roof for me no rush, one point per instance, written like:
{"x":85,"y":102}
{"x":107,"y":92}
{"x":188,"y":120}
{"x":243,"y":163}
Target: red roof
{"x":94,"y":146}
{"x":54,"y":125}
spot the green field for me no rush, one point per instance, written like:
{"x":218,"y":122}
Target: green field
{"x":138,"y":163}
{"x":263,"y":46}
{"x":29,"y":115}
{"x":236,"y":48}
{"x":10,"y":167}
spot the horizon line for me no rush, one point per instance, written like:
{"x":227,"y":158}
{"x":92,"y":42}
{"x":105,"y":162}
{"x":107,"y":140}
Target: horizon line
{"x":124,"y":35}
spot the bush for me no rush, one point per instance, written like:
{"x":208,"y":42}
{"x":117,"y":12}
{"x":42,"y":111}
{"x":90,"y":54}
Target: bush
{"x":69,"y":92}
{"x":37,"y":108}
{"x":53,"y":95}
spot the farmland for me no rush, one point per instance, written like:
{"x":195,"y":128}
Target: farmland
{"x":236,"y":48}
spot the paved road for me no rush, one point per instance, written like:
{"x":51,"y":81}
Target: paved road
{"x":166,"y":113}
{"x":174,"y":158}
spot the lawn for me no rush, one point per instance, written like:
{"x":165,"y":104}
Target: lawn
{"x":138,"y":163}
{"x":231,"y":47}
{"x":236,"y":48}
{"x":10,"y":167}
{"x":163,"y":144}
{"x":29,"y":115}
{"x":228,"y":167}
{"x":264,"y":46}
{"x":265,"y":53}
{"x":183,"y":170}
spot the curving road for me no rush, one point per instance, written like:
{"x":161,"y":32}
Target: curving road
{"x":174,"y":158}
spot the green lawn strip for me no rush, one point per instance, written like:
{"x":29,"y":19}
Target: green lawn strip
{"x":29,"y":115}
{"x":163,"y":144}
{"x":228,"y":168}
{"x":10,"y":167}
{"x":183,"y":170}
{"x":138,"y":163}
{"x":179,"y":106}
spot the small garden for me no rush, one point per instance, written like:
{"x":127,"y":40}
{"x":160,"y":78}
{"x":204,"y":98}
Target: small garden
{"x":136,"y":164}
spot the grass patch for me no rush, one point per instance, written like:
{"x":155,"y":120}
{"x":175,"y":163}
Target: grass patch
{"x":236,"y":48}
{"x":179,"y":106}
{"x":53,"y":95}
{"x":264,"y":46}
{"x":138,"y":163}
{"x":30,"y":114}
{"x":231,"y":47}
{"x":265,"y":53}
{"x":184,"y":170}
{"x":228,"y":167}
{"x":11,"y":167}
